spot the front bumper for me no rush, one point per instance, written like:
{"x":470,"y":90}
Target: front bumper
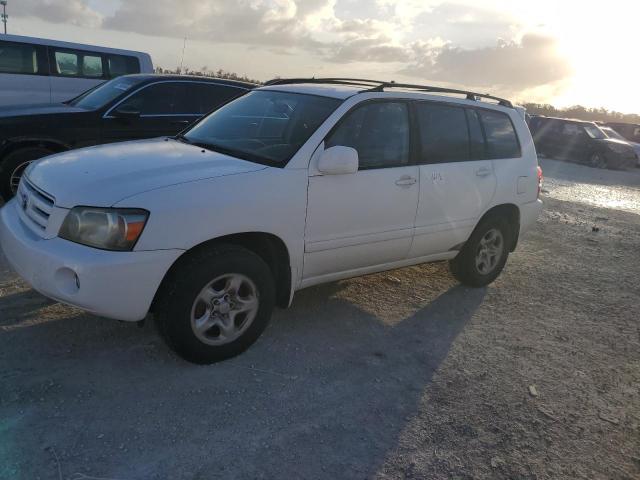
{"x":119,"y":285}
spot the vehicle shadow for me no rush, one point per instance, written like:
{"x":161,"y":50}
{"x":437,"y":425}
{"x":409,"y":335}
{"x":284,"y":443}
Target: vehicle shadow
{"x":325,"y":393}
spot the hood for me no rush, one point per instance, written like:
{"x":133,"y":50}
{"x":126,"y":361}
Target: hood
{"x":101,"y":176}
{"x":37,"y":109}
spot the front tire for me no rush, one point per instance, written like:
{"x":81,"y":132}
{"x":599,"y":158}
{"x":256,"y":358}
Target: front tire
{"x":14,"y":165}
{"x":484,"y":255}
{"x":216,"y":304}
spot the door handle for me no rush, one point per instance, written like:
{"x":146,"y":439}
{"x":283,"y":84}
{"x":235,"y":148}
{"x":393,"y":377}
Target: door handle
{"x":406,"y":181}
{"x":483,"y":172}
{"x":181,"y":122}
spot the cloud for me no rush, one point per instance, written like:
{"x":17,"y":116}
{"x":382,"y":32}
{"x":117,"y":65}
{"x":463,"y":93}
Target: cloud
{"x":509,"y":66}
{"x":74,"y":12}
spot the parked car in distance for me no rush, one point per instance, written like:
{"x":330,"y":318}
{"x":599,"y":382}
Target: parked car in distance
{"x":611,"y":133}
{"x":36,"y":70}
{"x":294,"y":184}
{"x":630,"y":131}
{"x":126,"y":108}
{"x":579,"y":141}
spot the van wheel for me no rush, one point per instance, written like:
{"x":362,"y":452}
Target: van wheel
{"x":216,"y":304}
{"x":484,"y":255}
{"x":14,"y":165}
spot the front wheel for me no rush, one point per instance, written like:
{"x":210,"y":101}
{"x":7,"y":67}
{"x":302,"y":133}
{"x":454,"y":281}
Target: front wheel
{"x":216,"y":304}
{"x":484,"y":255}
{"x":13,"y":166}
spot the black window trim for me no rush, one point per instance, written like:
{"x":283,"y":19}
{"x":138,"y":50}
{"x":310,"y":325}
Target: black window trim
{"x":410,"y":119}
{"x":108,"y":115}
{"x":42,"y":58}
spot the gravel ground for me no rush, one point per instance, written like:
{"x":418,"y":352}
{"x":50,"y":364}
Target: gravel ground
{"x":403,"y":374}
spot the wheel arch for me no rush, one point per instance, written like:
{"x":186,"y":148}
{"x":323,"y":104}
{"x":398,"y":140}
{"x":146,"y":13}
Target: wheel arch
{"x":271,"y":248}
{"x":20,"y":143}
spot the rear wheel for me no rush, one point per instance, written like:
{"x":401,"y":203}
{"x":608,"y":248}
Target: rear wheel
{"x":484,"y":255}
{"x":216,"y":304}
{"x":13,"y":166}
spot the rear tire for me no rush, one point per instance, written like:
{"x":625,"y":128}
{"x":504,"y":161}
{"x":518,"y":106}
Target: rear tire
{"x":215,"y":304}
{"x":484,"y":255}
{"x":597,"y":160}
{"x":14,"y":165}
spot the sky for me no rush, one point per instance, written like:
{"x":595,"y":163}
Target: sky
{"x":563,"y":52}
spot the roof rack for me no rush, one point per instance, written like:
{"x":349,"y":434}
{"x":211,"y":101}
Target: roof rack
{"x":380,"y":86}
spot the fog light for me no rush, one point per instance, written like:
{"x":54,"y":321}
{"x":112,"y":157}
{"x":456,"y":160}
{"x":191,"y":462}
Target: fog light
{"x":67,"y":281}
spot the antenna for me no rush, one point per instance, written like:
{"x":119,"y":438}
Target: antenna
{"x":184,"y":46}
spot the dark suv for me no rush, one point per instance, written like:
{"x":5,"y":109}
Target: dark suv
{"x":630,"y":131}
{"x":581,"y":142}
{"x":126,"y":108}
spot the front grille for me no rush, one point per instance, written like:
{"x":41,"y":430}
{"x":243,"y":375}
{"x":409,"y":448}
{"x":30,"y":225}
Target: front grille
{"x":36,"y":204}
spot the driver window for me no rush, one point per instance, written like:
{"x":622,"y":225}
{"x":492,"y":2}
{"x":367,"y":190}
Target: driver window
{"x":158,"y":99}
{"x":379,"y":132}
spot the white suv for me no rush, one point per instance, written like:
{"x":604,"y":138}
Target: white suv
{"x":297,"y":183}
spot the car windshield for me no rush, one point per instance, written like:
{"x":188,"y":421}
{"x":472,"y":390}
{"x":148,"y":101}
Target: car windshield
{"x":594,"y":132}
{"x":611,"y":133}
{"x":263,"y":126}
{"x":102,"y":94}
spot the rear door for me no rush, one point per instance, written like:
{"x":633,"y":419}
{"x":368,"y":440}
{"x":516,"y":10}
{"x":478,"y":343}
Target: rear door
{"x":163,"y":108}
{"x":457,"y":180}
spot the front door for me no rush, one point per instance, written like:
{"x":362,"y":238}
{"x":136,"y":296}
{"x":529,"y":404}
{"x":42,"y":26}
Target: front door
{"x":361,"y":220}
{"x":159,"y":109}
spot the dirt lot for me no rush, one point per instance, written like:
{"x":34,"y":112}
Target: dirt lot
{"x":397,"y":375}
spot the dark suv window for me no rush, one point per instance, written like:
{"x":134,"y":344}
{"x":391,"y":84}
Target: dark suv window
{"x":205,"y":97}
{"x":18,"y":58}
{"x":444,"y":134}
{"x":166,"y":98}
{"x":502,"y":141}
{"x":379,"y":132}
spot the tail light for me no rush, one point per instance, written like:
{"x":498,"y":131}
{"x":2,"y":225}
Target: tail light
{"x":540,"y":180}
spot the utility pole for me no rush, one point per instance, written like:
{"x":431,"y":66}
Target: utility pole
{"x":5,"y":17}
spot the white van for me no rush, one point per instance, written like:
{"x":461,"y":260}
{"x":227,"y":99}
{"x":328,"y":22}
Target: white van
{"x":35,"y":70}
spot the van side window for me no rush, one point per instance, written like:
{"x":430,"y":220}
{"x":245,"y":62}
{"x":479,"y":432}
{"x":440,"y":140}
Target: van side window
{"x":122,"y":65}
{"x":78,"y":64}
{"x":18,"y":58}
{"x":502,"y":141}
{"x":444,"y":135}
{"x":378,"y":131}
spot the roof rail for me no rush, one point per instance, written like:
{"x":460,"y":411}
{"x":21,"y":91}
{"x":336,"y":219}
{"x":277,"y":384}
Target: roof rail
{"x":380,"y":86}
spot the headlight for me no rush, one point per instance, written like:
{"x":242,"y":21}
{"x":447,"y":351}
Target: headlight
{"x":618,"y":148}
{"x":104,"y":228}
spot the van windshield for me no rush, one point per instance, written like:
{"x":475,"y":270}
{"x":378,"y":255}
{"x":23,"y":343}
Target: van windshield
{"x":263,"y":126}
{"x":102,"y":94}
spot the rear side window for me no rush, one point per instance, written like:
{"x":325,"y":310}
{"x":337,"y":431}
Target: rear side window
{"x":18,"y":58}
{"x":444,"y":134}
{"x":379,"y":132}
{"x":205,"y":97}
{"x":502,"y":141}
{"x":122,"y":65}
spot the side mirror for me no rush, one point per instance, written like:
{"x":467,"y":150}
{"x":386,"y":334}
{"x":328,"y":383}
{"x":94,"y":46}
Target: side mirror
{"x":338,"y":161}
{"x":126,"y":113}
